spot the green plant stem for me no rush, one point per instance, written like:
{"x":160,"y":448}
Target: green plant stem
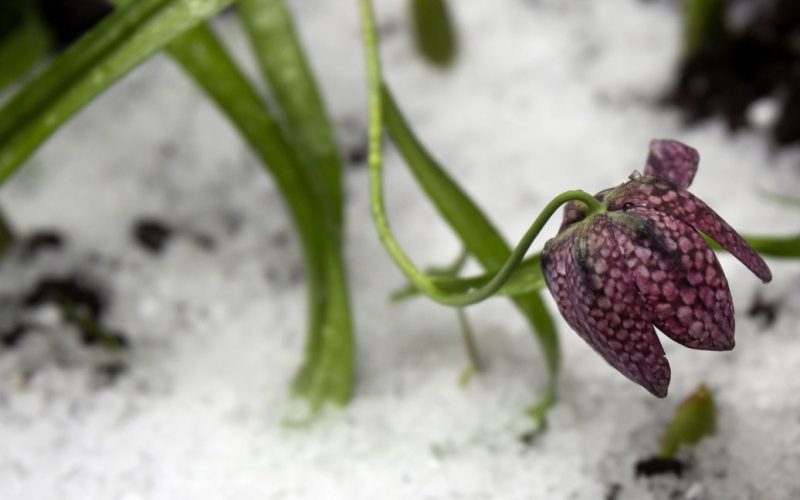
{"x":328,"y":369}
{"x":476,"y":365}
{"x":426,"y":284}
{"x":412,"y":272}
{"x":480,"y":237}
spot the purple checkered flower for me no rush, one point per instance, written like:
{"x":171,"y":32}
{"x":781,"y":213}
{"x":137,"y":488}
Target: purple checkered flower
{"x":642,"y":262}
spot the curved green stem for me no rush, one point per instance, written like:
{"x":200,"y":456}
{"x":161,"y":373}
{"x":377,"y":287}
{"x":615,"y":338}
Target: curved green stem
{"x":424,"y":282}
{"x":418,"y":277}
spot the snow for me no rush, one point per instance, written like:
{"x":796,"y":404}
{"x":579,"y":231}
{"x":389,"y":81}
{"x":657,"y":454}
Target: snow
{"x":547,"y":95}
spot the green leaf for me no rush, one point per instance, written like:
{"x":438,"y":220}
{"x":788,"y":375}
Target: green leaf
{"x":327,"y":373}
{"x":776,"y":246}
{"x":434,"y":33}
{"x":111,"y":49}
{"x":284,"y":66}
{"x":695,"y":419}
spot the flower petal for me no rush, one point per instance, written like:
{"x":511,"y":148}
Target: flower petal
{"x":672,"y":161}
{"x":680,"y":279}
{"x":652,"y":192}
{"x":558,"y":262}
{"x":596,"y":294}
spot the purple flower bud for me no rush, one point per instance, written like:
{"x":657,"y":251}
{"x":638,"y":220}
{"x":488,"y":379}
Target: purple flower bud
{"x":642,"y":262}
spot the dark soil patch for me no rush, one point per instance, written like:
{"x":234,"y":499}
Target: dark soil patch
{"x":654,"y":466}
{"x":69,"y":19}
{"x":727,"y":73}
{"x":106,"y":374}
{"x":766,"y":310}
{"x":87,"y":298}
{"x":81,"y":302}
{"x":204,"y":241}
{"x":613,"y":492}
{"x":152,"y":234}
{"x":356,"y":156}
{"x":40,"y":242}
{"x":11,"y":337}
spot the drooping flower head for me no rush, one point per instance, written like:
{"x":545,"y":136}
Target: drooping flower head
{"x":642,"y":262}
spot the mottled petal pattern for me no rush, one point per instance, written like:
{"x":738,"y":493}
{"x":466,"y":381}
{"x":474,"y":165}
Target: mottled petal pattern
{"x":680,"y":279}
{"x":644,"y":262}
{"x":597,"y":295}
{"x":655,"y":193}
{"x":558,"y":262}
{"x":672,"y":161}
{"x":574,"y":211}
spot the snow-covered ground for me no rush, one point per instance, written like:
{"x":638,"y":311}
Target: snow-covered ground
{"x":547,"y":95}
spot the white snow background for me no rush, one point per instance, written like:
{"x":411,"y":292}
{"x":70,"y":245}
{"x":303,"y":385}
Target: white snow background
{"x":546,"y":96}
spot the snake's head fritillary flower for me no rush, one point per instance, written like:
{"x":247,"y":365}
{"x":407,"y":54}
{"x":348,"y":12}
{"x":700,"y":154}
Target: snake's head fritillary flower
{"x":641,"y":262}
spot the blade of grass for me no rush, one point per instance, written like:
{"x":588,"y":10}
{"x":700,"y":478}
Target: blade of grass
{"x":449,"y":199}
{"x":327,"y":372}
{"x":116,"y":45}
{"x":283,"y":64}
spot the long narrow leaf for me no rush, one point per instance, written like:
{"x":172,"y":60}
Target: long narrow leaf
{"x":776,"y":246}
{"x":118,"y":44}
{"x":327,"y":372}
{"x":284,"y":66}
